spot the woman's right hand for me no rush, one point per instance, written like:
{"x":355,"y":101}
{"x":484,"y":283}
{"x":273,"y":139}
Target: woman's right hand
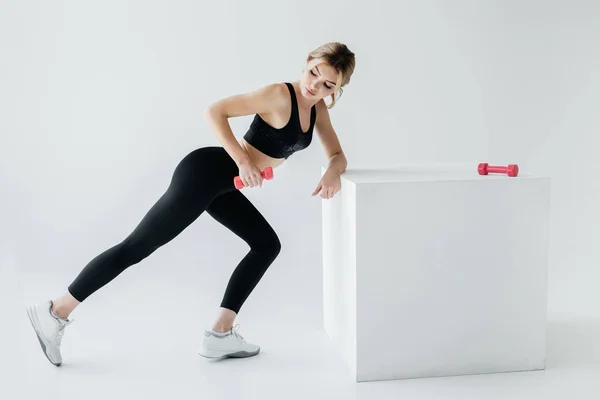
{"x":250,"y":174}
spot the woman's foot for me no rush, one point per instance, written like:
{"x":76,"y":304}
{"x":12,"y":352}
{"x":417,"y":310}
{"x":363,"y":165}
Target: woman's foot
{"x":227,"y":344}
{"x":49,"y":329}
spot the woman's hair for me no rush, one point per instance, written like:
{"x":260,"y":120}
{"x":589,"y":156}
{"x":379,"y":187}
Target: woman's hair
{"x":338,"y":56}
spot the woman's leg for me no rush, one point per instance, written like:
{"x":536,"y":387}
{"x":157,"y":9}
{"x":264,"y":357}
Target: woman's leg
{"x":64,"y":305}
{"x":239,"y":215}
{"x":198,"y":178}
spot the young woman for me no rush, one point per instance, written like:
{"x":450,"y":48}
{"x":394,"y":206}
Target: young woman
{"x":286,"y":114}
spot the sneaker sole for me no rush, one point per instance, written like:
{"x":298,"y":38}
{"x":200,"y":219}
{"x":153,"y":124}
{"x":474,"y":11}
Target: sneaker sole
{"x":222,"y":354}
{"x":35,"y":324}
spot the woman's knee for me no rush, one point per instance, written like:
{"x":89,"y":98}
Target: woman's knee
{"x":269,"y":246}
{"x":276,"y":246}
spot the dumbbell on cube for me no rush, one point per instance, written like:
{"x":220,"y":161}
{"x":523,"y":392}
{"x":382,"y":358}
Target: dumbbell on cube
{"x":510,"y":170}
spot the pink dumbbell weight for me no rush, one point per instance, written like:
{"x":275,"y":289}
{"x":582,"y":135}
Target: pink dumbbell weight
{"x":510,"y":170}
{"x":266,"y":173}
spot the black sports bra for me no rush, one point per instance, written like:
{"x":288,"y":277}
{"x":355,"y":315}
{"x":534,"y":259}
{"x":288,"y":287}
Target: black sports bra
{"x":283,"y":142}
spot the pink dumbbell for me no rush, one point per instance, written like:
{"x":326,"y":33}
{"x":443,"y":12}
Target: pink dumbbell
{"x":510,"y":170}
{"x":266,"y":173}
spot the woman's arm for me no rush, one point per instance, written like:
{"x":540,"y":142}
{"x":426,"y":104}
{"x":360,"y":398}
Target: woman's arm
{"x":329,"y":139}
{"x":338,"y":163}
{"x":264,"y":100}
{"x":330,"y":183}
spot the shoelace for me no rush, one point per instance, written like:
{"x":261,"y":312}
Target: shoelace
{"x":234,"y":332}
{"x":61,"y":330}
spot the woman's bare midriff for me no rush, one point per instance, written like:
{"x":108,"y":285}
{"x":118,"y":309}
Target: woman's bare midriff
{"x":260,"y":159}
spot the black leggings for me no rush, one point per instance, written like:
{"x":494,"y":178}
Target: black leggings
{"x":203,"y":180}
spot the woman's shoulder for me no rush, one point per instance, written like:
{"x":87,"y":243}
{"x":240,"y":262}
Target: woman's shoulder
{"x":275,"y":88}
{"x":278,"y":91}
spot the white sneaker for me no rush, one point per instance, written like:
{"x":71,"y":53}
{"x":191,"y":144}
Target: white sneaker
{"x":49,"y":329}
{"x":231,"y":345}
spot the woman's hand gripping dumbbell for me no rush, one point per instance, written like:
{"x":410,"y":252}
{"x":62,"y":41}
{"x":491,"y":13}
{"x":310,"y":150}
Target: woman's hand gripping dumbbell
{"x":250,"y":174}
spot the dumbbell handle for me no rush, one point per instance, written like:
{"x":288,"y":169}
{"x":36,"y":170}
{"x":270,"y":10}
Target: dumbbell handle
{"x":266,"y":173}
{"x":497,"y":169}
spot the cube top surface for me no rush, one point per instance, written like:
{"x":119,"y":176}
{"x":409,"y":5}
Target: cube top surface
{"x":432,"y":173}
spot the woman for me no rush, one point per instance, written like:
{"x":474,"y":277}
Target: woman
{"x":286,"y":114}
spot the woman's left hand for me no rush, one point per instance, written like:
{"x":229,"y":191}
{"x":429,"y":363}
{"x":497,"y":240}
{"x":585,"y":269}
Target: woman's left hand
{"x":329,"y":185}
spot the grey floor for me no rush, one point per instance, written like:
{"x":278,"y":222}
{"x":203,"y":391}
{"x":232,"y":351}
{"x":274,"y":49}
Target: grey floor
{"x":137,"y":339}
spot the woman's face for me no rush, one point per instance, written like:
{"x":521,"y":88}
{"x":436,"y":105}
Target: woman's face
{"x":318,"y":81}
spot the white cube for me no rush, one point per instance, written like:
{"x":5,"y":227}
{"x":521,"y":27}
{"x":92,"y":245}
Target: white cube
{"x":436,"y":272}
